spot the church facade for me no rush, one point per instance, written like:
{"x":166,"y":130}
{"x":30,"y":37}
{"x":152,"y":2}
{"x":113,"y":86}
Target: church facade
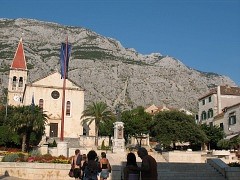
{"x":47,"y":93}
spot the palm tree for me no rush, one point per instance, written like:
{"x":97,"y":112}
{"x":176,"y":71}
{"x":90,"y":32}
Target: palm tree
{"x":26,"y":120}
{"x":96,"y":112}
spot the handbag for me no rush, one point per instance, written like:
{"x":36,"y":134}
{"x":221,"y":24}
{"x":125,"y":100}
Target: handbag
{"x":71,"y":174}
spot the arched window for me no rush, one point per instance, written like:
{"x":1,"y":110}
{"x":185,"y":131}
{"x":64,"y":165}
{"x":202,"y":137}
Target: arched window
{"x":85,"y":129}
{"x":41,"y":103}
{"x":204,"y":115}
{"x":68,"y":108}
{"x":20,"y":83}
{"x":210,"y":113}
{"x":14,"y":82}
{"x":84,"y":132}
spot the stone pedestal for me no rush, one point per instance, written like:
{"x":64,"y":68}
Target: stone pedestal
{"x":62,"y":148}
{"x":44,"y":149}
{"x":118,"y":141}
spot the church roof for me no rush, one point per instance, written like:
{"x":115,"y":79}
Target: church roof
{"x":19,"y":61}
{"x":55,"y":77}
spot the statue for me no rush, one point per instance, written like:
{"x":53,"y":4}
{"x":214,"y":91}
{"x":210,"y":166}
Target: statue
{"x":118,"y":139}
{"x":118,"y":112}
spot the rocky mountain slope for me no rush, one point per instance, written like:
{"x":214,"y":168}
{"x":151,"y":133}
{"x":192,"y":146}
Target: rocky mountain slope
{"x":107,"y":71}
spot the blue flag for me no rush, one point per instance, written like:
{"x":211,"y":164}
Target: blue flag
{"x":65,"y":55}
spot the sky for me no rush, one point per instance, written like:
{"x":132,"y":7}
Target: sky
{"x":203,"y":34}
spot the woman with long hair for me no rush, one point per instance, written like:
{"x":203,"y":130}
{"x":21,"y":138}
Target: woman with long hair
{"x":131,"y":171}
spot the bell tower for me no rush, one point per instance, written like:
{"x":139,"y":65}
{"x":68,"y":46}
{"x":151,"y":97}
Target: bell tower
{"x":17,"y":76}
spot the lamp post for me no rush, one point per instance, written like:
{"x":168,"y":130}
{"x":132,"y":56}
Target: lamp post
{"x":4,"y":92}
{"x":6,"y":105}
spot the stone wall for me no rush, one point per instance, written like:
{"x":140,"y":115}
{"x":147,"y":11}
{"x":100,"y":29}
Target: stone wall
{"x":183,"y":156}
{"x":89,"y":141}
{"x":44,"y":171}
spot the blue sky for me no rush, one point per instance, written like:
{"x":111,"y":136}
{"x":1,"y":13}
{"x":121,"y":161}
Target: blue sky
{"x":203,"y":34}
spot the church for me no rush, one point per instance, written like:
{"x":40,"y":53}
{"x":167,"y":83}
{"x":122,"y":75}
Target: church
{"x":47,"y":93}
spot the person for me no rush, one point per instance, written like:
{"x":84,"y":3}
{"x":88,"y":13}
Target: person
{"x":91,"y":167}
{"x":149,"y":165}
{"x":131,"y":170}
{"x":76,"y":164}
{"x":84,"y":160}
{"x":105,"y":167}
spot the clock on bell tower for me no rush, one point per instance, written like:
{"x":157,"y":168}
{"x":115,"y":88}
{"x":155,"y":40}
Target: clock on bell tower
{"x":17,"y":76}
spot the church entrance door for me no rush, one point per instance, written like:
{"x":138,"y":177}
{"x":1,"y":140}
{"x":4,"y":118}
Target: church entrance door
{"x":53,"y":129}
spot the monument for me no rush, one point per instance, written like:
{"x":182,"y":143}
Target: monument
{"x":118,"y":141}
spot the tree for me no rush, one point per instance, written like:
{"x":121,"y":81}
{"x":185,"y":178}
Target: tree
{"x":27,"y":121}
{"x":214,"y":134}
{"x":96,"y":112}
{"x":169,"y":127}
{"x":223,"y":144}
{"x":235,"y":143}
{"x":136,"y":123}
{"x":8,"y":138}
{"x":106,"y":129}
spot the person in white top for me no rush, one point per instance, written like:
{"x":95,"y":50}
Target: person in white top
{"x":76,"y":164}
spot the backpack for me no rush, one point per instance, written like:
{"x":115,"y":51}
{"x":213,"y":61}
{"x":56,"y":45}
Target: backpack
{"x":90,"y":173}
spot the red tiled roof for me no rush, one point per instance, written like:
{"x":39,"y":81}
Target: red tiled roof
{"x":227,"y":90}
{"x":234,"y":105}
{"x":219,"y":115}
{"x":19,"y":61}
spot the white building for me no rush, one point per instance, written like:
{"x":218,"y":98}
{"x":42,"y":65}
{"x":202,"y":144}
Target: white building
{"x":215,"y":101}
{"x":229,"y":120}
{"x":221,"y":107}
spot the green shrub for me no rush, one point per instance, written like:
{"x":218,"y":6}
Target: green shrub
{"x":103,"y":145}
{"x":54,"y":144}
{"x":22,"y":157}
{"x":10,"y":158}
{"x":34,"y":153}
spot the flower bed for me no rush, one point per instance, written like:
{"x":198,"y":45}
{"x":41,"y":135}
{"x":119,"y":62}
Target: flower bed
{"x":32,"y":157}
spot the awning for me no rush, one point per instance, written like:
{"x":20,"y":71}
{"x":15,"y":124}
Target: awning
{"x":231,"y":136}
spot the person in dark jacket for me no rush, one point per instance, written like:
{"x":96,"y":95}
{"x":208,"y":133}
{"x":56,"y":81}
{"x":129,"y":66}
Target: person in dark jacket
{"x":149,"y":165}
{"x":90,"y":167}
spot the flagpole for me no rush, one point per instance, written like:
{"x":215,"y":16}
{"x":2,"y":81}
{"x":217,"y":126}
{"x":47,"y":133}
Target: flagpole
{"x":64,"y":88}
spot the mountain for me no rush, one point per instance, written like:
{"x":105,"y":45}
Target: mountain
{"x":107,"y":71}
